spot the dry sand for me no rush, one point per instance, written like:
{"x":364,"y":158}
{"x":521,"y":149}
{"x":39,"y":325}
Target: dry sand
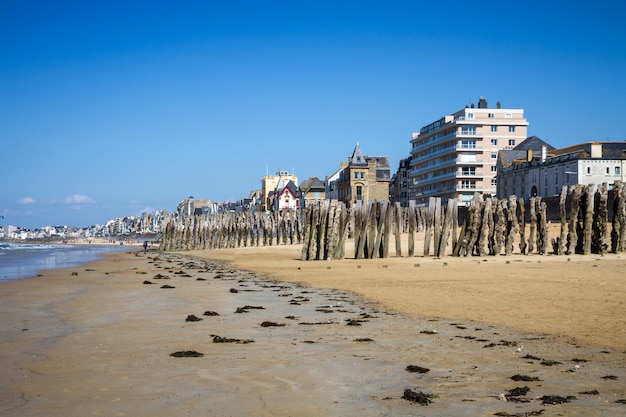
{"x":96,"y":340}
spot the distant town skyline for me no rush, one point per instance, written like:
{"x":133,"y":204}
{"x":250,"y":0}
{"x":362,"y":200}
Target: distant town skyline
{"x":114,"y":109}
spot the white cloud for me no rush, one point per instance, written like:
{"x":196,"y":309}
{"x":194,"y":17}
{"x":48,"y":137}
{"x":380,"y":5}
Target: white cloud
{"x":26,"y":200}
{"x":79,"y":199}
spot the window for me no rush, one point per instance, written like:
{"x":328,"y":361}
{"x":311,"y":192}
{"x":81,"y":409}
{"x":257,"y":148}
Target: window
{"x":468,"y":184}
{"x":491,"y":115}
{"x":468,"y":144}
{"x":511,"y":142}
{"x":356,"y":175}
{"x":359,"y":192}
{"x":362,"y":175}
{"x":470,"y":116}
{"x":494,"y":182}
{"x":494,"y":142}
{"x":494,"y":155}
{"x":608,"y":170}
{"x":588,"y":170}
{"x":508,"y":115}
{"x":618,"y":171}
{"x":511,"y":129}
{"x":468,"y":130}
{"x":494,"y":128}
{"x":494,"y":168}
{"x":468,"y":171}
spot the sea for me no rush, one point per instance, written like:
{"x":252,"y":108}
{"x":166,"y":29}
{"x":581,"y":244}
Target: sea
{"x":23,"y":260}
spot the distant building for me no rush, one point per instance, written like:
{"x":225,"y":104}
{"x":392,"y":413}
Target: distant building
{"x":399,"y":185}
{"x":528,"y":173}
{"x":269,"y":183}
{"x":285,"y":197}
{"x":312,"y":189}
{"x":455,"y":156}
{"x":364,"y":178}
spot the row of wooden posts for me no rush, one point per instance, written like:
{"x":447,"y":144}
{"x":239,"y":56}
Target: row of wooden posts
{"x":231,"y":230}
{"x":491,"y":227}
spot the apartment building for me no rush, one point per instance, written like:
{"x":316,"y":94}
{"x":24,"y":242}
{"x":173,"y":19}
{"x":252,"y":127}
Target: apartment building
{"x":399,"y":185}
{"x":455,"y":156}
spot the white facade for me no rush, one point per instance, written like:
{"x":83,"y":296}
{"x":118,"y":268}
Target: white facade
{"x":455,"y":156}
{"x":588,"y":163}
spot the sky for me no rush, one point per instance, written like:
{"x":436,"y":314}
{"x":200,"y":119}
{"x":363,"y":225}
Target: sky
{"x":111,"y":109}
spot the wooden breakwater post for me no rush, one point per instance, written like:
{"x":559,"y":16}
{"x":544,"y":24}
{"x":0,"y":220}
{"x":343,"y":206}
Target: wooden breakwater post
{"x":325,"y":230}
{"x":618,"y":232}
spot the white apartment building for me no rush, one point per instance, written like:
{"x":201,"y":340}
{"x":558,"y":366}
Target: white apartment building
{"x":455,"y":156}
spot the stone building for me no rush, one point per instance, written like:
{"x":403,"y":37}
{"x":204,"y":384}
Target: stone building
{"x":528,"y":173}
{"x":364,"y":178}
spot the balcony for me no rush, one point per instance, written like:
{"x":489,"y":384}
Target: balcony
{"x":432,"y":141}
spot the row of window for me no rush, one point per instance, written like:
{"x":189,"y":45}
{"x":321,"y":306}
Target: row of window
{"x":471,"y":130}
{"x":470,"y":116}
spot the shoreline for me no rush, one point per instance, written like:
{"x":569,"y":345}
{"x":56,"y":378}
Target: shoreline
{"x":97,"y":340}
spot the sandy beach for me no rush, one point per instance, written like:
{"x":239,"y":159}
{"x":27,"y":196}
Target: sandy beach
{"x":262,"y":333}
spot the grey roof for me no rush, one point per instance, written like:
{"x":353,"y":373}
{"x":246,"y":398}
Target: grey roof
{"x":533,"y":143}
{"x":312,"y":184}
{"x":357,"y":157}
{"x":610,"y":150}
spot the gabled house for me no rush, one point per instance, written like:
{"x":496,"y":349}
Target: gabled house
{"x":285,"y":197}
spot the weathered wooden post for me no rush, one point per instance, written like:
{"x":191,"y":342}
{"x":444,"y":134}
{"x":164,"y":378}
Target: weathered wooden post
{"x":437,"y":225}
{"x":572,"y":237}
{"x":396,"y":228}
{"x":455,"y":223}
{"x":411,"y":238}
{"x":512,"y":225}
{"x":447,"y":225}
{"x":601,"y":218}
{"x":485,"y":228}
{"x":617,"y":215}
{"x":533,"y":224}
{"x":361,"y":228}
{"x":430,"y":216}
{"x":588,"y":227}
{"x":372,"y":229}
{"x":542,"y":235}
{"x":522,"y":222}
{"x":498,"y":230}
{"x":387,"y":210}
{"x":621,"y":209}
{"x":563,"y":215}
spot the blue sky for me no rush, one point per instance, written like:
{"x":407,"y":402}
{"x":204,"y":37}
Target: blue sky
{"x":110,"y":109}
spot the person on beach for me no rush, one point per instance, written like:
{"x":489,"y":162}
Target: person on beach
{"x":145,"y":245}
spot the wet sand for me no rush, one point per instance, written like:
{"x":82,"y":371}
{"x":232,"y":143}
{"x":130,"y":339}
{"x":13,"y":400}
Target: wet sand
{"x":325,"y":338}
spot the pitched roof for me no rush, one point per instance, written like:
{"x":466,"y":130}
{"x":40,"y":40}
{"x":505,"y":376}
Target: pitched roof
{"x":312,"y":184}
{"x":507,"y":156}
{"x":533,"y":143}
{"x":357,"y":157}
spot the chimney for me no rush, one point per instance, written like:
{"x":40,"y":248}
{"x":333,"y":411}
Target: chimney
{"x":596,"y":150}
{"x":482,"y":103}
{"x":544,"y":153}
{"x":498,"y":105}
{"x":529,"y":155}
